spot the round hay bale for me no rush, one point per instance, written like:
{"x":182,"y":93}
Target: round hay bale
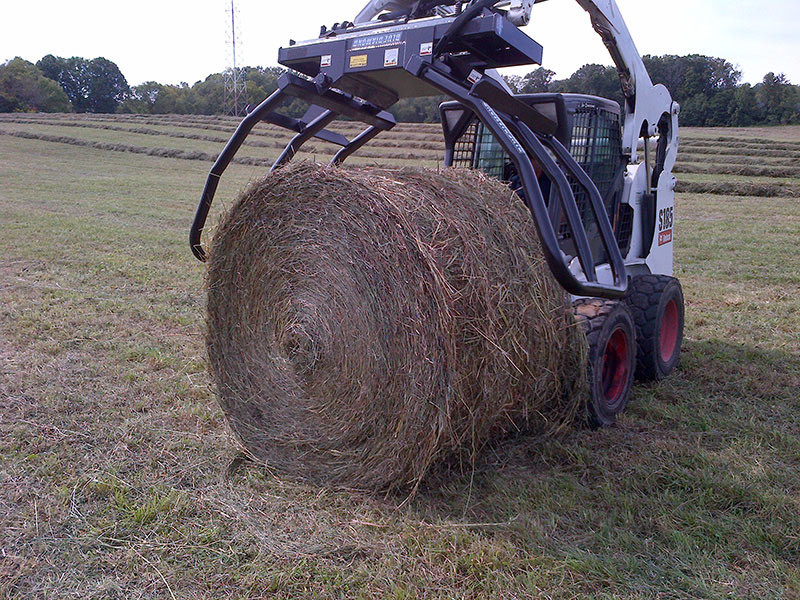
{"x":365,"y":325}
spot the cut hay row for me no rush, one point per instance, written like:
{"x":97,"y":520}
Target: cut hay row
{"x":747,"y":170}
{"x":739,"y":140}
{"x":723,"y":188}
{"x":687,"y":156}
{"x":390,"y":139}
{"x":230,"y":120}
{"x":365,"y":326}
{"x":175,"y":152}
{"x":718,"y":151}
{"x":765,"y":190}
{"x":160,"y":152}
{"x":415,"y":130}
{"x":422,"y":129}
{"x":279,"y":141}
{"x":695,"y":143}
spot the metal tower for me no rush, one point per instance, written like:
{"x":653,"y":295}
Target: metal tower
{"x":234,"y":77}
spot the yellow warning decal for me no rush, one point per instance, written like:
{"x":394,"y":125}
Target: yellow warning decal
{"x":358,"y":60}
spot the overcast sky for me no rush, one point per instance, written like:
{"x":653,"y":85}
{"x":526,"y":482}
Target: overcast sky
{"x":170,"y":41}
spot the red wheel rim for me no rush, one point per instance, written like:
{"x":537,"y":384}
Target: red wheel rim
{"x":668,"y":331}
{"x":615,"y":367}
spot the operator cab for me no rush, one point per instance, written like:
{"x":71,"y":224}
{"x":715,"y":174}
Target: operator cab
{"x":588,"y":126}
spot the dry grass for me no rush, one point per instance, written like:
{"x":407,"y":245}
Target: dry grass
{"x":687,"y":157}
{"x":400,"y":136}
{"x":705,"y":153}
{"x":722,"y":149}
{"x":118,"y":478}
{"x":742,"y":143}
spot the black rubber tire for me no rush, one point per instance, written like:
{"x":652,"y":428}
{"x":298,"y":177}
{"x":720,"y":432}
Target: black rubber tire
{"x":612,"y":356}
{"x":659,"y":336}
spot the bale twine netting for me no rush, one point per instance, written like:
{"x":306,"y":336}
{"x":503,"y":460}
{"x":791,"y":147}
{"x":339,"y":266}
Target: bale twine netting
{"x":367,"y":325}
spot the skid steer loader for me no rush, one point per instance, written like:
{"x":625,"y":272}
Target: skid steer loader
{"x":596,"y":177}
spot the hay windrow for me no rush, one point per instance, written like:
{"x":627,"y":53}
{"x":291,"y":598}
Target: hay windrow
{"x":754,"y":143}
{"x":686,"y":156}
{"x":726,"y":151}
{"x":366,"y":325}
{"x":739,"y":188}
{"x":747,"y":170}
{"x":200,"y":155}
{"x":276,"y":138}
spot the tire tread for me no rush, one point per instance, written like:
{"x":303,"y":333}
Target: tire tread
{"x":643,"y":298}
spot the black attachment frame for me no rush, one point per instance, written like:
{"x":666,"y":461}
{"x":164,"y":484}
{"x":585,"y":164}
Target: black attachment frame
{"x":328,"y":105}
{"x":524,"y":133}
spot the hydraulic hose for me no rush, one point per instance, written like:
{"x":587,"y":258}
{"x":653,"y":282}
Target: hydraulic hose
{"x":473,"y":10}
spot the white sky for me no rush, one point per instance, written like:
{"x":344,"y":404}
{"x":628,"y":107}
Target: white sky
{"x":170,"y":41}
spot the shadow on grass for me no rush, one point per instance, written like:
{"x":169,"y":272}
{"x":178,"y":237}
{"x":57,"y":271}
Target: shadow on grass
{"x":727,"y":403}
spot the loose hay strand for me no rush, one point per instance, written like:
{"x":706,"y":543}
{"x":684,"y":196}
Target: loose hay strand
{"x":367,"y":325}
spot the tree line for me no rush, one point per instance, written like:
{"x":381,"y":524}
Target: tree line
{"x":709,"y":90}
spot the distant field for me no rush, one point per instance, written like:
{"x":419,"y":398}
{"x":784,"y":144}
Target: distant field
{"x":119,"y":479}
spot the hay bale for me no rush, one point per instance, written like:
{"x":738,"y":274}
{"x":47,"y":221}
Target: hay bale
{"x":364,"y":325}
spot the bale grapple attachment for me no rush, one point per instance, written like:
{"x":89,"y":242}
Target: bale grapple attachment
{"x":360,"y":71}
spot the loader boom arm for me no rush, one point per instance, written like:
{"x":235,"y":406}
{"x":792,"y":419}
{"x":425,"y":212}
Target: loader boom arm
{"x":645,"y":103}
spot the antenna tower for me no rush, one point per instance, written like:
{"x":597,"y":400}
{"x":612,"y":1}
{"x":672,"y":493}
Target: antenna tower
{"x":235,"y":83}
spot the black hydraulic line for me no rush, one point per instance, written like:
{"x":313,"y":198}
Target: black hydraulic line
{"x":222,"y":162}
{"x":321,"y":122}
{"x":473,"y":10}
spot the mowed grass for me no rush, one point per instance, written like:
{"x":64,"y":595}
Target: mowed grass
{"x":119,"y":479}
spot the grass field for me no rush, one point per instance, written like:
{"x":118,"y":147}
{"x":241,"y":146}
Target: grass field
{"x":119,"y":479}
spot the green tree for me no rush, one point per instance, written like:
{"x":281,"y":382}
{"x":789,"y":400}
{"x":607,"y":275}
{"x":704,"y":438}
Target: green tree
{"x":780,"y":99}
{"x":210,"y":95}
{"x":69,"y":74}
{"x":514,"y":82}
{"x":141,"y":98}
{"x":9,"y":103}
{"x":537,"y":81}
{"x":95,"y":85}
{"x":261,"y":82}
{"x":687,"y":76}
{"x":24,"y":88}
{"x":721,"y":106}
{"x":694,"y":111}
{"x":595,"y":80}
{"x":106,"y":86}
{"x":746,"y":108}
{"x":418,"y":110}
